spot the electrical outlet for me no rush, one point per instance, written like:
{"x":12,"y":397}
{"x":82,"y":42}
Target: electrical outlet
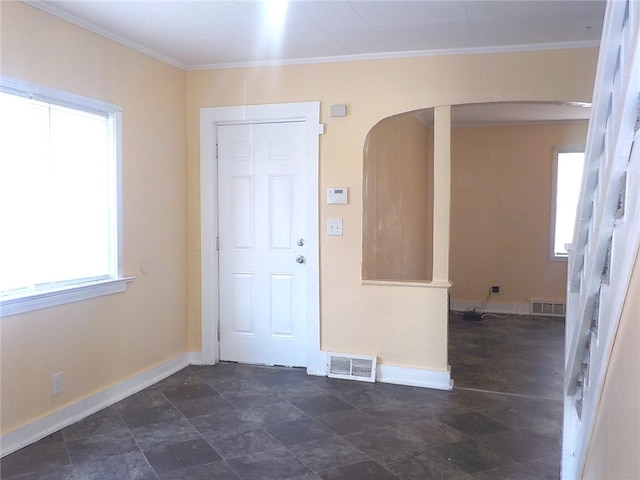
{"x":56,"y":383}
{"x":495,"y":289}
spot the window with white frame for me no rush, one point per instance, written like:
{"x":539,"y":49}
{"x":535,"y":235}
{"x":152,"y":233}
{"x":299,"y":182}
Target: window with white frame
{"x":59,"y":197}
{"x":568,"y":166}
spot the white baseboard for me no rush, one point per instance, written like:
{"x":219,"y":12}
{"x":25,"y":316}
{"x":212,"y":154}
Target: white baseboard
{"x":40,"y":428}
{"x":409,"y":376}
{"x":51,"y":423}
{"x":491,"y":307}
{"x":415,"y":377}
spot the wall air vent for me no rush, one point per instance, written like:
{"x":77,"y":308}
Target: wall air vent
{"x":351,"y":367}
{"x":547,"y":308}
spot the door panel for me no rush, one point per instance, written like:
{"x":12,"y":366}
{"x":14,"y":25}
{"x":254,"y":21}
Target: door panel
{"x":282,"y":305}
{"x":241,"y":309}
{"x":261,"y":217}
{"x":242,"y":212}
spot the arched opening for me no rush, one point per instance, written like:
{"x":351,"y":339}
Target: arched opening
{"x":398,"y":188}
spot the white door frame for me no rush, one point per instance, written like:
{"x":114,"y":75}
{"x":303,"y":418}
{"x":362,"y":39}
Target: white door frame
{"x":210,"y":118}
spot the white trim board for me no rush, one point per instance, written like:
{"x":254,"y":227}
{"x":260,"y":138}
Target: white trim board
{"x":500,"y":308}
{"x":415,"y":377}
{"x":51,"y":423}
{"x":72,"y":293}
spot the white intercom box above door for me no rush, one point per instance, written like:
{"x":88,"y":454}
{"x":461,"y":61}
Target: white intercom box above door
{"x":336,"y":195}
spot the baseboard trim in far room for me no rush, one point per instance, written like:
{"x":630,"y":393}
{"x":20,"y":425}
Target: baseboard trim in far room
{"x":491,"y":307}
{"x":51,"y":423}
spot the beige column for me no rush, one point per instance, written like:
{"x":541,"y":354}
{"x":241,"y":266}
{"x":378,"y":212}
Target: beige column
{"x":441,"y":192}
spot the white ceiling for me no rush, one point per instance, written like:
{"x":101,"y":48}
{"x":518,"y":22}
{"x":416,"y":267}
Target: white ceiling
{"x":197,"y":34}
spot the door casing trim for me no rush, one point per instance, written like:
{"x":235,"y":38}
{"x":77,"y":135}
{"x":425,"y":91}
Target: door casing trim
{"x":210,"y":118}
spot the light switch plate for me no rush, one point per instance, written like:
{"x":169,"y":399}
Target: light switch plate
{"x":334,"y":226}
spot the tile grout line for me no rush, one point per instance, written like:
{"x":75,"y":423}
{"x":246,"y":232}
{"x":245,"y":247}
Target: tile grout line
{"x":508,"y":394}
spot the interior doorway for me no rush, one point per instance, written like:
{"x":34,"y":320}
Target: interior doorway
{"x":501,"y":202}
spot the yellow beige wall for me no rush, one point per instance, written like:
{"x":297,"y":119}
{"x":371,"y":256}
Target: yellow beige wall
{"x":102,"y":341}
{"x":614,"y":447}
{"x":402,"y":325}
{"x":501,"y":196}
{"x":397,"y":239}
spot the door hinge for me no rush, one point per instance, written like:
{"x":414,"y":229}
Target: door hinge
{"x":218,"y":331}
{"x":217,"y":244}
{"x":216,"y":150}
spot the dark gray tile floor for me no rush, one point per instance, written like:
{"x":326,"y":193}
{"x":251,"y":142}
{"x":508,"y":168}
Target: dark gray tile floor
{"x":238,"y":422}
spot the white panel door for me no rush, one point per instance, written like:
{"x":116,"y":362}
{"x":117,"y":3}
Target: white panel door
{"x":262,"y":243}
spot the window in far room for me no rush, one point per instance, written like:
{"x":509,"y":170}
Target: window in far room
{"x":567,"y":181}
{"x":59,"y":197}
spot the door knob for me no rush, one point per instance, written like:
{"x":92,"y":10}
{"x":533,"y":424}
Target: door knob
{"x":300,"y":242}
{"x":301,"y":259}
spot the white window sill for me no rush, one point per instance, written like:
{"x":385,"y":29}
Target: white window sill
{"x":51,"y":298}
